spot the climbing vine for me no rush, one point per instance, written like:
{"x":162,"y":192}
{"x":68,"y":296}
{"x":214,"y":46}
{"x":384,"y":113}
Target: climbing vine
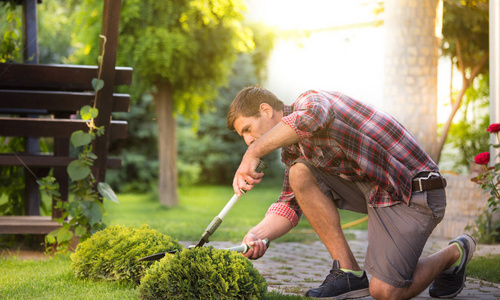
{"x":82,"y":215}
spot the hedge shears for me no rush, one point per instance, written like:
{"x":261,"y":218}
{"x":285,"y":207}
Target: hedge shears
{"x":212,"y":227}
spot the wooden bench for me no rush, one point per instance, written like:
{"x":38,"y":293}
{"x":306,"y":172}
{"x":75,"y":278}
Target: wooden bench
{"x":39,"y":100}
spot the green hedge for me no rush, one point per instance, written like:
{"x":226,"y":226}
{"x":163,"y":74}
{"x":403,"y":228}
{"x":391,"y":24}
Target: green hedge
{"x":203,"y":273}
{"x":113,"y":253}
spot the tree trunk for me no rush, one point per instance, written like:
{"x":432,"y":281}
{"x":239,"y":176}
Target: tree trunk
{"x":455,"y":105}
{"x":167,"y":145}
{"x":411,"y":63}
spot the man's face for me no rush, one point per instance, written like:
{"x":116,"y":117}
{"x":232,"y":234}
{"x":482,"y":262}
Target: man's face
{"x":251,"y":128}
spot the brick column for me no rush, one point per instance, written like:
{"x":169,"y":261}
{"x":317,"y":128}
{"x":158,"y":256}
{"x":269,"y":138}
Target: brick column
{"x":411,"y":63}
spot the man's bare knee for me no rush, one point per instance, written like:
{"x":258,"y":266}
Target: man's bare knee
{"x":382,"y":290}
{"x":301,"y":177}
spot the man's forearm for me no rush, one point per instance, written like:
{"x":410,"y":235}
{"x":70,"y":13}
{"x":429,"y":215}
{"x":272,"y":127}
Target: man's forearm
{"x":272,"y":227}
{"x":279,"y":136}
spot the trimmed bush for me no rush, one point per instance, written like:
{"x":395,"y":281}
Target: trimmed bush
{"x":203,"y":273}
{"x":113,"y":253}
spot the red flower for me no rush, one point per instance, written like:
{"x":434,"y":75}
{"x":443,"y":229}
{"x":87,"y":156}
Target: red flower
{"x":482,"y":158}
{"x":494,"y":128}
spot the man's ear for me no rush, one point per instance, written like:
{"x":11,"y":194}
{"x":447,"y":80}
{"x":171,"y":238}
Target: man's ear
{"x":266,"y":110}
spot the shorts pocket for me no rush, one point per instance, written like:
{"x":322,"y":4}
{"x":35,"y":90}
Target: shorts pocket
{"x":436,"y":201}
{"x":432,"y":202}
{"x":418,"y":202}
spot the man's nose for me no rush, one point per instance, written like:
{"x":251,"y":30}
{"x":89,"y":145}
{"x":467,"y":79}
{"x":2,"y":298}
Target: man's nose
{"x":249,"y":140}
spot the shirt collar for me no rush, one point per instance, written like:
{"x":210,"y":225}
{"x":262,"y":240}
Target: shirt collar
{"x":287,"y":110}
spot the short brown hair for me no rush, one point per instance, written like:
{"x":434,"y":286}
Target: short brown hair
{"x":247,"y":104}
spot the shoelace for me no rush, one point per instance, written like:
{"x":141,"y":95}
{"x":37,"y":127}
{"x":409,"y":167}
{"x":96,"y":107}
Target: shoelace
{"x":446,"y":279}
{"x":332,"y":276}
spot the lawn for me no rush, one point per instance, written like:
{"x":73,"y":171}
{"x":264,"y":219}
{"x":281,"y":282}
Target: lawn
{"x":52,"y":278}
{"x":199,"y":205}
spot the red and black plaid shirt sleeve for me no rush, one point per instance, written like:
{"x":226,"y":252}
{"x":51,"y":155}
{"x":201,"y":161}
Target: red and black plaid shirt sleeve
{"x":355,"y":141}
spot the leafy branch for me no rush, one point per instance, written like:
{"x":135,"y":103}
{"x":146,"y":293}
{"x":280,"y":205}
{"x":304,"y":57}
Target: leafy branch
{"x":84,"y":213}
{"x":489,"y":181}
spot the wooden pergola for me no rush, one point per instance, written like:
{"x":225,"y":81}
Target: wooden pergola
{"x":56,"y":92}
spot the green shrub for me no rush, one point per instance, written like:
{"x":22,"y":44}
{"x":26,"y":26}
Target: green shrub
{"x":203,"y":273}
{"x":113,"y":253}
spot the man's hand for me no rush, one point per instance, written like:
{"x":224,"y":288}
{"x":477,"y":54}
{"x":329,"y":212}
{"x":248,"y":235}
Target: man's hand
{"x":257,"y":247}
{"x":246,"y":176}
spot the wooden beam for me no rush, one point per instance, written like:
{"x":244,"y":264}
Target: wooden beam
{"x":45,"y":160}
{"x":59,"y":128}
{"x":56,"y":77}
{"x":110,"y":29}
{"x":27,"y":225}
{"x":43,"y":102}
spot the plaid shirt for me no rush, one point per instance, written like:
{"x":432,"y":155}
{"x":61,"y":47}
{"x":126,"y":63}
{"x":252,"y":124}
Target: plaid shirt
{"x":354,"y":140}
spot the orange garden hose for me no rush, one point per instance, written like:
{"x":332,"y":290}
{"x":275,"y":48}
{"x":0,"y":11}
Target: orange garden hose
{"x":353,"y":223}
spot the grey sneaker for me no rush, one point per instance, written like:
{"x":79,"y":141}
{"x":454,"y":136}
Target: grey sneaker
{"x":450,"y":283}
{"x":341,"y":285}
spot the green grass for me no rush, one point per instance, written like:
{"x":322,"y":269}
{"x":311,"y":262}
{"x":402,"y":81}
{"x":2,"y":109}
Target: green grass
{"x":53,"y":279}
{"x":485,"y":268}
{"x":199,"y":205}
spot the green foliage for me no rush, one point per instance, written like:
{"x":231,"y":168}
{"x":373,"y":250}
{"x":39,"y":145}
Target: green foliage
{"x":12,"y":180}
{"x":55,"y":31}
{"x":264,"y":39}
{"x":138,"y":152}
{"x":468,"y":134}
{"x":215,"y":149}
{"x":487,"y":230}
{"x":188,"y":44}
{"x":10,"y":32}
{"x":466,"y":29}
{"x":113,"y":253}
{"x":86,"y":209}
{"x":484,"y":229}
{"x":203,"y":273}
{"x":207,"y":152}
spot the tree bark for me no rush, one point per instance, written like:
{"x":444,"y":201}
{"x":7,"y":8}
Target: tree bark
{"x":167,"y":145}
{"x":466,"y":82}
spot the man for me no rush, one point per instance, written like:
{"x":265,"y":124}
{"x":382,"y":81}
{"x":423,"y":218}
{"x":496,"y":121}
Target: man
{"x":342,"y":153}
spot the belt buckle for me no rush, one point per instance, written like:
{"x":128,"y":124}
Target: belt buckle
{"x":425,"y":178}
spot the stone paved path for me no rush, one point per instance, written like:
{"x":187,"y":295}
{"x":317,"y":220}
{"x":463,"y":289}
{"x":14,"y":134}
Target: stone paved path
{"x":293,"y":268}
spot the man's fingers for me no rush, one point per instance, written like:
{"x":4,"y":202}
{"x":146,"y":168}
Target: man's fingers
{"x":257,"y":249}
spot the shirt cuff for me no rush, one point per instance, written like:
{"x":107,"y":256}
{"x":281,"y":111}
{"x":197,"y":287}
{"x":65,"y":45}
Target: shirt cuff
{"x":290,"y":121}
{"x":283,"y":210}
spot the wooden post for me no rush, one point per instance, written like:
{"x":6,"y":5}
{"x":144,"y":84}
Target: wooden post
{"x":104,"y":103}
{"x":30,"y":55}
{"x":30,"y":28}
{"x":494,"y":73}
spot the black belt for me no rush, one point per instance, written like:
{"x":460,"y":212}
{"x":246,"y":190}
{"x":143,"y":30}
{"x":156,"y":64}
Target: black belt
{"x":428,"y":181}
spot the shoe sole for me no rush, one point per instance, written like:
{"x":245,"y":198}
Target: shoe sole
{"x":351,"y":295}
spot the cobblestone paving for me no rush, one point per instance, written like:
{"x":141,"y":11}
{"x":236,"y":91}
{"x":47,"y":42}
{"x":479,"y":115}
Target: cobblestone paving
{"x":293,"y":268}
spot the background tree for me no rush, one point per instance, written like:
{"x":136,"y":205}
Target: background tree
{"x":182,"y":51}
{"x":466,"y":42}
{"x":467,"y":136}
{"x":207,"y":152}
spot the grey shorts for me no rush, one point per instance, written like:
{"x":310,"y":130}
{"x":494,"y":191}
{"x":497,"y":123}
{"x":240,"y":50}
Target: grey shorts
{"x":396,"y":234}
